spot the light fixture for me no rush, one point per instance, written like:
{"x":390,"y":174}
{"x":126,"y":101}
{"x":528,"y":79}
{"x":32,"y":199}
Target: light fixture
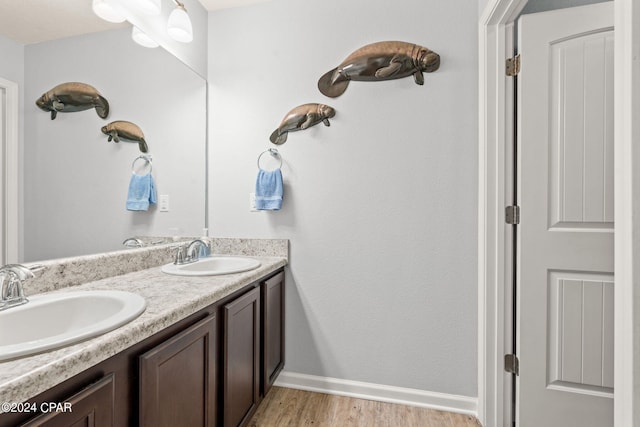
{"x":104,"y":9}
{"x":142,"y":39}
{"x":150,"y":7}
{"x":179,"y":25}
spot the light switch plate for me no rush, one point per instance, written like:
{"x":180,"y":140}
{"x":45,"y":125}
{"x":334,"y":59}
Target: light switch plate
{"x":163,"y":203}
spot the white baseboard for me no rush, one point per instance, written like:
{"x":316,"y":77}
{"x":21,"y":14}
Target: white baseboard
{"x":405,"y":396}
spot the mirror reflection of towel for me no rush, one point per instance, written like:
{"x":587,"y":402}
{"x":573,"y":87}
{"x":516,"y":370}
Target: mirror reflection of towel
{"x":269,"y":190}
{"x":142,"y":192}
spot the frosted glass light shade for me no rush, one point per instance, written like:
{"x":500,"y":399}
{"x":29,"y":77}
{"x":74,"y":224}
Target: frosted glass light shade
{"x":105,"y":10}
{"x":150,"y":7}
{"x":179,"y":25}
{"x":142,"y":39}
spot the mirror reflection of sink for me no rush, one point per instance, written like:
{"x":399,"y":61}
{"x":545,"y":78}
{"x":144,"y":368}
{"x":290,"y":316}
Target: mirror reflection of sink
{"x":213,"y":266}
{"x":56,"y":320}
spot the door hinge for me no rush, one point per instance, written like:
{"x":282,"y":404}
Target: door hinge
{"x":511,"y":364}
{"x":512,"y":215}
{"x":513,"y":66}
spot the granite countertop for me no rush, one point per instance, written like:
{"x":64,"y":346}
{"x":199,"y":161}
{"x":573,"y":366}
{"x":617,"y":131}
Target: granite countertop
{"x":169,"y":299}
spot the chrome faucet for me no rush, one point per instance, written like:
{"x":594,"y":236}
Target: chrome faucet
{"x":193,"y":250}
{"x":11,"y":289}
{"x":133,"y":242}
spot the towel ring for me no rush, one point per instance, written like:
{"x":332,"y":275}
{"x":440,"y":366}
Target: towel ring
{"x":146,"y":158}
{"x":274,"y":152}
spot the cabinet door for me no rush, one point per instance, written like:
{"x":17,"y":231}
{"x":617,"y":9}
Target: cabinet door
{"x":241,"y":358}
{"x":272,"y":291}
{"x":92,"y":407}
{"x":178,"y":379}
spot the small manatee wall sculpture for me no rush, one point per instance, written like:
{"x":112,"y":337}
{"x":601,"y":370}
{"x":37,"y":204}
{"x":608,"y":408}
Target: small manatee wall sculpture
{"x":125,"y":130}
{"x":302,"y":117}
{"x":380,"y":61}
{"x":71,"y":97}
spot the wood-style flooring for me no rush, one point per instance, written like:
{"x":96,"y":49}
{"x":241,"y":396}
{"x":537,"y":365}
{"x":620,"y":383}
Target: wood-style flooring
{"x":284,"y":407}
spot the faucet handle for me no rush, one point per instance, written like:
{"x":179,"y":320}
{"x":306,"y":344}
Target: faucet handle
{"x":11,"y":289}
{"x":21,"y":272}
{"x":36,"y":268}
{"x":180,"y":254}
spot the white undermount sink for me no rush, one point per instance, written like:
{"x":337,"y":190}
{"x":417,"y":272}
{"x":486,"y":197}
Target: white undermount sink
{"x":56,"y":320}
{"x":213,"y":266}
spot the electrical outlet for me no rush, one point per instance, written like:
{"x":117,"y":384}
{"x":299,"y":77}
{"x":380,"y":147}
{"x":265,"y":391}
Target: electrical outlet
{"x":252,"y":202}
{"x":163,"y":203}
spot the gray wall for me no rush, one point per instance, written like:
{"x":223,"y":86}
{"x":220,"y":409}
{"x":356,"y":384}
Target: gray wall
{"x":75,"y":181}
{"x":380,"y":208}
{"x":12,"y":64}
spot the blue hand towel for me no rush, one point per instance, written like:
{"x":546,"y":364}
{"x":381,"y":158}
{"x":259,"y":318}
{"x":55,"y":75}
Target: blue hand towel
{"x":142,"y":192}
{"x":269,"y":190}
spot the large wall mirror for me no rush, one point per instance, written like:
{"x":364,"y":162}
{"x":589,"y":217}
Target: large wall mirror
{"x":74,"y":183}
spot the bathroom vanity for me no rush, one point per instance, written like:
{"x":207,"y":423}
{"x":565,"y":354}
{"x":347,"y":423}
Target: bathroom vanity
{"x":204,"y":353}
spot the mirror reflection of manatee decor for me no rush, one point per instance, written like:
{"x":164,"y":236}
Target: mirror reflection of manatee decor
{"x":302,"y":117}
{"x":71,"y":97}
{"x":380,"y":61}
{"x":125,"y":130}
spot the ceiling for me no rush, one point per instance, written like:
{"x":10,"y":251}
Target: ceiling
{"x":34,"y":21}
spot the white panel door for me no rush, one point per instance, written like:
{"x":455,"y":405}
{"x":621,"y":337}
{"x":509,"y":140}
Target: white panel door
{"x":565,"y":245}
{"x":9,"y":172}
{"x":3,"y":143}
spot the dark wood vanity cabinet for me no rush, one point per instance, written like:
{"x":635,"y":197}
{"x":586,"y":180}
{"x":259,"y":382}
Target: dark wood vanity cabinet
{"x":178,"y":379}
{"x":241,"y":366}
{"x":253,"y":348}
{"x":212,"y":368}
{"x":272,"y":306}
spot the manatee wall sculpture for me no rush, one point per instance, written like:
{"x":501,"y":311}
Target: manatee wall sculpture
{"x":380,"y":61}
{"x":302,"y":117}
{"x":71,"y":97}
{"x":125,"y":130}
